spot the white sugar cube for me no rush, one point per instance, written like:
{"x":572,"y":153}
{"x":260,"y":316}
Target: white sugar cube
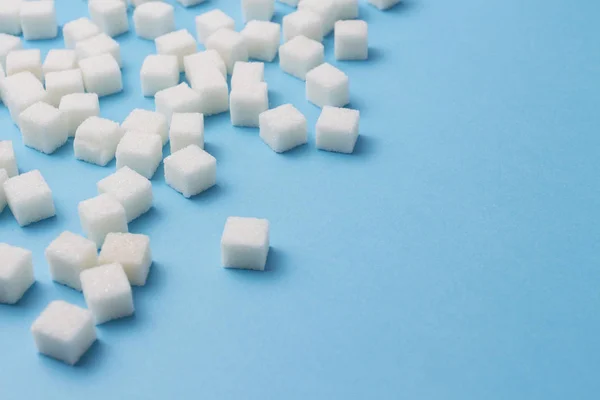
{"x":154,"y":19}
{"x":283,"y":128}
{"x":25,"y":60}
{"x":10,"y":18}
{"x":300,"y":55}
{"x":8,"y":43}
{"x":230,"y":45}
{"x":247,"y":73}
{"x":96,"y":140}
{"x":101,"y":75}
{"x":64,"y":331}
{"x":346,"y":9}
{"x":202,"y":60}
{"x":246,"y":104}
{"x":130,"y":250}
{"x":59,"y":60}
{"x":62,"y":83}
{"x":189,"y":3}
{"x":3,"y":178}
{"x":384,"y":4}
{"x":326,"y":9}
{"x":29,"y":198}
{"x":8,"y":161}
{"x":98,"y":45}
{"x":210,"y":22}
{"x":327,"y":86}
{"x":130,"y":189}
{"x":337,"y":129}
{"x":77,"y":30}
{"x":180,"y":98}
{"x":147,"y":122}
{"x":141,"y":152}
{"x":110,"y":16}
{"x":38,"y":20}
{"x":158,"y":72}
{"x":77,"y":107}
{"x":190,"y":171}
{"x":107,"y":292}
{"x":178,"y":43}
{"x":212,"y":88}
{"x":245,"y":243}
{"x":138,"y":3}
{"x":100,"y":216}
{"x":302,"y":22}
{"x":186,"y":129}
{"x":43,"y":127}
{"x":351,"y":40}
{"x":262,"y":39}
{"x":16,"y":273}
{"x":20,"y":91}
{"x":261,"y":10}
{"x":68,"y":255}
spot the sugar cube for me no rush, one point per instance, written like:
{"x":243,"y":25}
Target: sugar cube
{"x":326,"y":9}
{"x":8,"y":43}
{"x":245,"y":243}
{"x":77,"y":30}
{"x":201,"y":60}
{"x":68,"y":255}
{"x":346,"y":9}
{"x":190,"y":170}
{"x":98,"y":45}
{"x":302,"y":22}
{"x":10,"y":18}
{"x":327,"y":86}
{"x":43,"y":127}
{"x":283,"y":128}
{"x":16,"y":273}
{"x":20,"y":91}
{"x":141,"y":152}
{"x":138,"y":3}
{"x":8,"y":161}
{"x":77,"y":107}
{"x":180,"y":98}
{"x":3,"y":178}
{"x":230,"y":45}
{"x":247,"y":73}
{"x":261,"y":10}
{"x":130,"y":189}
{"x":25,"y":60}
{"x":158,"y":72}
{"x":38,"y":20}
{"x":100,"y":216}
{"x":178,"y":43}
{"x":29,"y":198}
{"x":101,"y":75}
{"x":147,"y":122}
{"x":210,"y":22}
{"x":212,"y":87}
{"x":96,"y":140}
{"x":351,"y":40}
{"x":153,"y":19}
{"x":262,"y":39}
{"x":62,"y":83}
{"x":107,"y":292}
{"x":300,"y":55}
{"x":186,"y":129}
{"x":246,"y":104}
{"x":59,"y":60}
{"x":110,"y":16}
{"x":337,"y":129}
{"x":130,"y":250}
{"x":384,"y":4}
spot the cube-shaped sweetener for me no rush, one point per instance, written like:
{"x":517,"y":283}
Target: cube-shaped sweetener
{"x":208,"y":82}
{"x":98,"y":45}
{"x":77,"y":107}
{"x":38,"y":20}
{"x":142,"y":152}
{"x":21,"y":91}
{"x":16,"y":273}
{"x":130,"y":250}
{"x":29,"y":198}
{"x":327,"y":86}
{"x":3,"y":178}
{"x":64,"y":331}
{"x":300,"y":55}
{"x":68,"y":255}
{"x":210,"y":22}
{"x":25,"y":60}
{"x":230,"y":45}
{"x":190,"y":171}
{"x":8,"y":160}
{"x":283,"y":128}
{"x":77,"y":30}
{"x":96,"y":140}
{"x":186,"y":129}
{"x":245,"y":243}
{"x":384,"y":4}
{"x":337,"y":129}
{"x":62,"y":83}
{"x":147,"y":122}
{"x":347,"y":9}
{"x":10,"y":18}
{"x":59,"y":60}
{"x":180,"y":98}
{"x":110,"y":16}
{"x":302,"y":23}
{"x":43,"y":127}
{"x":178,"y":43}
{"x":8,"y":43}
{"x":100,"y":216}
{"x":261,"y":10}
{"x":101,"y":75}
{"x":262,"y":39}
{"x":107,"y":292}
{"x":202,"y":60}
{"x":130,"y":189}
{"x":246,"y":104}
{"x":153,"y":19}
{"x":351,"y":40}
{"x":247,"y":73}
{"x":326,"y":9}
{"x":158,"y":72}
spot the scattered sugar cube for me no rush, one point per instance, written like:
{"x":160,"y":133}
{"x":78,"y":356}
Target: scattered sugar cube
{"x":8,"y":43}
{"x":77,"y":30}
{"x":38,"y":20}
{"x":210,"y":22}
{"x":283,"y":128}
{"x":98,"y":45}
{"x":384,"y":4}
{"x":64,"y":331}
{"x":110,"y":16}
{"x":10,"y":17}
{"x":62,"y":83}
{"x":327,"y":86}
{"x":346,"y":9}
{"x":245,"y":73}
{"x":107,"y":292}
{"x":20,"y":91}
{"x":262,"y":39}
{"x":326,"y":9}
{"x":59,"y":60}
{"x":101,"y":75}
{"x":147,"y":122}
{"x":100,"y":216}
{"x":16,"y":273}
{"x":178,"y":43}
{"x":300,"y":55}
{"x":212,"y":87}
{"x":246,"y":104}
{"x":302,"y":22}
{"x":153,"y":19}
{"x":245,"y":243}
{"x":29,"y":198}
{"x":159,"y":72}
{"x":8,"y":161}
{"x":43,"y":127}
{"x":3,"y":178}
{"x":337,"y":129}
{"x":130,"y":189}
{"x":137,"y":3}
{"x":141,"y":152}
{"x":68,"y":255}
{"x":130,"y":250}
{"x":230,"y":45}
{"x":180,"y":98}
{"x":201,"y":60}
{"x":351,"y":40}
{"x":186,"y":129}
{"x":189,"y":3}
{"x":77,"y":107}
{"x":96,"y":140}
{"x":261,"y":10}
{"x":25,"y":60}
{"x":190,"y":171}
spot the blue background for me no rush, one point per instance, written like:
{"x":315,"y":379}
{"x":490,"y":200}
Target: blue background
{"x":455,"y":255}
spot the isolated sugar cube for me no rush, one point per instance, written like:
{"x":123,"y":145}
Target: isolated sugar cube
{"x":384,"y":4}
{"x":190,"y":171}
{"x":43,"y":127}
{"x":300,"y":55}
{"x":212,"y":87}
{"x":8,"y":160}
{"x":101,"y":75}
{"x":38,"y":20}
{"x":337,"y":129}
{"x":77,"y":30}
{"x":158,"y":72}
{"x":245,"y":73}
{"x":346,"y":9}
{"x":130,"y":250}
{"x":147,"y":122}
{"x":230,"y":45}
{"x":302,"y":22}
{"x":245,"y":243}
{"x":62,"y":83}
{"x":326,"y":9}
{"x":96,"y":140}
{"x":262,"y":39}
{"x":64,"y":331}
{"x":283,"y":128}
{"x":3,"y":178}
{"x":98,"y":45}
{"x":201,"y":60}
{"x":29,"y":198}
{"x":180,"y":98}
{"x":130,"y":189}
{"x":327,"y":86}
{"x":25,"y":60}
{"x":153,"y":19}
{"x":189,"y":3}
{"x":186,"y":129}
{"x":10,"y":18}
{"x":246,"y":104}
{"x":210,"y":22}
{"x":8,"y":43}
{"x":59,"y":60}
{"x":20,"y":91}
{"x":178,"y":43}
{"x":100,"y":216}
{"x":110,"y":16}
{"x":77,"y":107}
{"x":68,"y":255}
{"x":261,"y":10}
{"x":351,"y":40}
{"x":141,"y":152}
{"x":16,"y":273}
{"x":107,"y":292}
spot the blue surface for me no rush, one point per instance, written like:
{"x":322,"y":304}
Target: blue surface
{"x":454,"y":256}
